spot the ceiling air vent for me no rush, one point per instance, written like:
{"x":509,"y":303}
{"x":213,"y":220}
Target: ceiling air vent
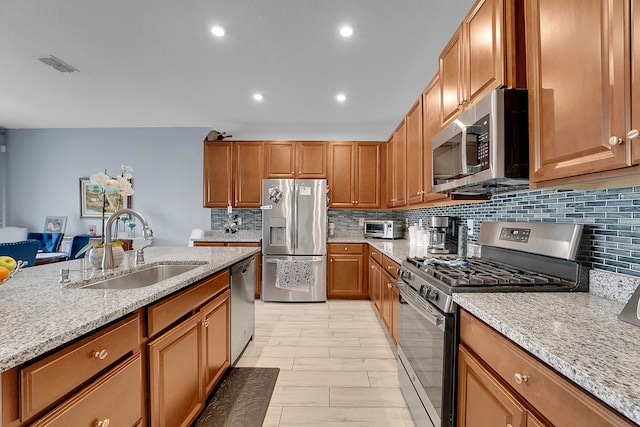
{"x":57,"y":64}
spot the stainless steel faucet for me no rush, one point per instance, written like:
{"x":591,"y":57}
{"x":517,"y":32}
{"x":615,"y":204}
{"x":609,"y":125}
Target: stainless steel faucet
{"x":107,"y":258}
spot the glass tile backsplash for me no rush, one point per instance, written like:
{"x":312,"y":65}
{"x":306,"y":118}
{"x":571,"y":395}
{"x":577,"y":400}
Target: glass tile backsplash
{"x":611,"y":217}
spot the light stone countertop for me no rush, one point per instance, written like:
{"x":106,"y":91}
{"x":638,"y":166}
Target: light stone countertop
{"x":38,"y":314}
{"x":239,"y":236}
{"x":577,"y":334}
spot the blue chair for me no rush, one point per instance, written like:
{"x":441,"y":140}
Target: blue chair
{"x":49,"y":242}
{"x":25,"y":250}
{"x":78,"y":242}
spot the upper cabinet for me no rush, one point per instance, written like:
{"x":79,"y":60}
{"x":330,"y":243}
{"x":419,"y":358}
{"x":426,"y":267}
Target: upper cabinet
{"x":233,"y":173}
{"x":480,"y":57}
{"x":397,"y":167}
{"x":296,"y":159}
{"x":414,"y":168}
{"x":584,"y":102}
{"x":431,"y":125}
{"x":355,"y":174}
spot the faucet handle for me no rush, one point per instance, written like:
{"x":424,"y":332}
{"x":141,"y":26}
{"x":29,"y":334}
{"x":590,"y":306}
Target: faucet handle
{"x":139,"y":259}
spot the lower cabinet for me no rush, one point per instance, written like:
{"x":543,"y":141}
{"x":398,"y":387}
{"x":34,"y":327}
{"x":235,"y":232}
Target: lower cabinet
{"x":187,"y":360}
{"x":383,"y":272}
{"x":345,"y":275}
{"x":500,"y":384}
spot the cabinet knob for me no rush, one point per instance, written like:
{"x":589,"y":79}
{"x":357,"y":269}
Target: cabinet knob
{"x":102,"y":354}
{"x":615,"y":140}
{"x":103,"y":423}
{"x":389,"y":285}
{"x":509,"y":425}
{"x":346,"y":249}
{"x":520,"y":378}
{"x":389,"y":267}
{"x":633,"y":134}
{"x":206,"y":323}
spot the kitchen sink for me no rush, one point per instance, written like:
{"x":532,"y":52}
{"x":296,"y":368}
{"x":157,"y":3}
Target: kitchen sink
{"x":145,"y":277}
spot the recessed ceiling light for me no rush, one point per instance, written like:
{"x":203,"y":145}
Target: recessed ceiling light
{"x":257,"y":96}
{"x":346,"y":31}
{"x":217,"y":31}
{"x":341,"y":97}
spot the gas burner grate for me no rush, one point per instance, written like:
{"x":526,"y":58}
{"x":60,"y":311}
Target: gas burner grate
{"x":479,"y":272}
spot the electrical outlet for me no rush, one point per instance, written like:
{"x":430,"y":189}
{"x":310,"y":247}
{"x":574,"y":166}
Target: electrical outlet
{"x":239,"y":221}
{"x":470,"y":225}
{"x":361,"y":222}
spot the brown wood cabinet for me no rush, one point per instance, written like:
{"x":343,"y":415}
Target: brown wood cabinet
{"x":397,"y":168}
{"x":345,"y":275}
{"x":482,"y":55}
{"x":578,"y":121}
{"x":383,"y":272}
{"x":431,"y":126}
{"x":189,"y":358}
{"x":375,"y":279}
{"x":499,"y":379}
{"x":296,"y":159}
{"x":355,"y":175}
{"x":233,"y":173}
{"x":415,"y":167}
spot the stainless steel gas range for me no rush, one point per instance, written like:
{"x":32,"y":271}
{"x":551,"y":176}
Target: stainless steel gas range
{"x":515,"y":257}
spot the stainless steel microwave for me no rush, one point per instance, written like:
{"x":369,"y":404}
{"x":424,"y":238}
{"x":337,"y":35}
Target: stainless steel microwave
{"x":485,"y":150}
{"x":383,"y":229}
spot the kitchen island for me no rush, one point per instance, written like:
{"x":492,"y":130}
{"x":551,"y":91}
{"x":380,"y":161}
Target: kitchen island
{"x":38,"y":314}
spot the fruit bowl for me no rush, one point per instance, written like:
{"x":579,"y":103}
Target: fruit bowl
{"x":19,"y":265}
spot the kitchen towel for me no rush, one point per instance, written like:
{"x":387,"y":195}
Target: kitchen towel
{"x":294,"y":275}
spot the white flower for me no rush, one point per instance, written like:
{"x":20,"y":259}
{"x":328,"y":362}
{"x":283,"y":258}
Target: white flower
{"x":100,"y":179}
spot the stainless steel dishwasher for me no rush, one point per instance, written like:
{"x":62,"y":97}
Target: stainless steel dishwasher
{"x":243,"y":285}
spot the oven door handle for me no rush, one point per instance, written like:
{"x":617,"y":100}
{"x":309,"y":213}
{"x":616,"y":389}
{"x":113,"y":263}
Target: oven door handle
{"x":436,"y":320}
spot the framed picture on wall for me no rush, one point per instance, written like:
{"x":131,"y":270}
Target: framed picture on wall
{"x":91,"y":202}
{"x":55,"y":224}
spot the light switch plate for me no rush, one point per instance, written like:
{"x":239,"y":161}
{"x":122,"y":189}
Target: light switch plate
{"x":361,"y":222}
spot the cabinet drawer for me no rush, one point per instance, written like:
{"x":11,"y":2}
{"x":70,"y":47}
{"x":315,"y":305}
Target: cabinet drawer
{"x":169,"y":310}
{"x":116,"y":397}
{"x":345,"y":248}
{"x":375,"y":254}
{"x":46,"y":381}
{"x":244,"y":244}
{"x":390,"y":266}
{"x":556,"y":398}
{"x":208,"y":243}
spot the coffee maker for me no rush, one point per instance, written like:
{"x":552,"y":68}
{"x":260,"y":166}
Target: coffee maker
{"x":442,"y":235}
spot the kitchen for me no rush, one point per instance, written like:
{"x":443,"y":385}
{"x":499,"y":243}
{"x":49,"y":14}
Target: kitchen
{"x":610,"y":242}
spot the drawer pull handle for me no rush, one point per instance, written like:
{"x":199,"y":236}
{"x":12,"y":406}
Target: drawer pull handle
{"x":206,"y":323}
{"x":103,"y":423}
{"x":520,"y":378}
{"x":102,"y":354}
{"x":390,"y":267}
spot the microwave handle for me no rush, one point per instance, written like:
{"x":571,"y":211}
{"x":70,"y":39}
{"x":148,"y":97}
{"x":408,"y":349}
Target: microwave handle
{"x":463,"y":151}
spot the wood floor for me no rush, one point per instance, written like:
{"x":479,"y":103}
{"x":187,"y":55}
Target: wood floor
{"x":337,"y":367}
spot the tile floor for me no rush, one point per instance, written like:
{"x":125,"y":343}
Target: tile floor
{"x":337,"y":366}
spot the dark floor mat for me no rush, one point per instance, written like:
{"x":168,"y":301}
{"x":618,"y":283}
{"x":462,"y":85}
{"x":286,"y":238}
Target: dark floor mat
{"x":241,"y":400}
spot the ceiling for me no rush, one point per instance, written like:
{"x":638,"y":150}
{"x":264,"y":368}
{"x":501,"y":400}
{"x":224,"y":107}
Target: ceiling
{"x":155,"y":63}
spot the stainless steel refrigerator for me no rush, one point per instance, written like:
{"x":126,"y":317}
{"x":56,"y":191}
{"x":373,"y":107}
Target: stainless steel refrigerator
{"x":294,"y":240}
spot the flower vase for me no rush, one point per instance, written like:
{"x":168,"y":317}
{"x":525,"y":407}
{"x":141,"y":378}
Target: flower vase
{"x":96,"y":254}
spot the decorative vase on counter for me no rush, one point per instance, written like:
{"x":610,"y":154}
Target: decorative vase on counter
{"x":96,"y":254}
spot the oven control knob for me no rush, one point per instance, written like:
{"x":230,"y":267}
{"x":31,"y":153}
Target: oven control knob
{"x":432,"y":295}
{"x":405,"y":275}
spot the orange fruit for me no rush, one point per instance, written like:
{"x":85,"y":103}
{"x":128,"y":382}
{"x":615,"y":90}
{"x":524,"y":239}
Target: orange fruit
{"x":4,"y":273}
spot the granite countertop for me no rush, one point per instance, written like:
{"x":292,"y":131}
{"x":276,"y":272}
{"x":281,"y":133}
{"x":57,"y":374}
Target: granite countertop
{"x":577,"y":334}
{"x":38,"y":314}
{"x":239,"y":236}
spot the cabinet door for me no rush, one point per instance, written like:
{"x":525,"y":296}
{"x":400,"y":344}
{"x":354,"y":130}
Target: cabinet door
{"x":431,"y":126}
{"x":451,"y":71}
{"x":346,"y":273}
{"x":342,"y":174}
{"x":217,"y":344}
{"x":414,"y":154}
{"x":390,"y":187}
{"x":484,"y":50}
{"x":249,"y":174}
{"x":369,"y":175}
{"x":176,"y":375}
{"x":375,"y":282}
{"x":387,"y":303}
{"x":218,"y":172}
{"x":573,"y":115}
{"x":400,"y":166}
{"x":311,"y":159}
{"x":482,"y":400}
{"x":395,"y":307}
{"x":280,"y":158}
{"x":635,"y":78}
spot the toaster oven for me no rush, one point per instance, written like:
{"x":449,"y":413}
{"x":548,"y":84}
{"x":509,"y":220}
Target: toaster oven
{"x":383,"y":229}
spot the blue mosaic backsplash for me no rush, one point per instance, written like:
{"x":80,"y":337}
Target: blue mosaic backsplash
{"x":611,"y":239}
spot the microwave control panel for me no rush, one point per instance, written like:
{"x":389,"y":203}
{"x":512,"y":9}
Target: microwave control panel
{"x":479,"y":132}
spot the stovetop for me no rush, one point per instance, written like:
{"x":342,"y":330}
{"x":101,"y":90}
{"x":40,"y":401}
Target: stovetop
{"x":457,"y":272}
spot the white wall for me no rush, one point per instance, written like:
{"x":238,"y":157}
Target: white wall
{"x":44,"y":167}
